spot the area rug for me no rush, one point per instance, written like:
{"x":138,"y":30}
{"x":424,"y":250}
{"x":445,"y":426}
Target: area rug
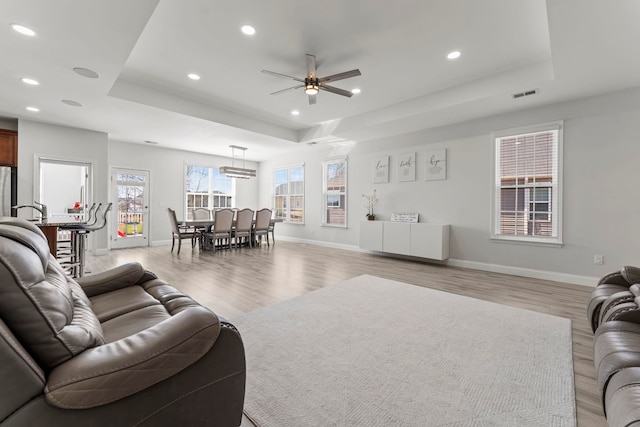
{"x":374,"y":352}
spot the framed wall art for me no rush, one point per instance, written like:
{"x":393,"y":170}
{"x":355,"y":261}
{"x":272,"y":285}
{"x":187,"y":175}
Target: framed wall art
{"x":436,"y":165}
{"x":407,"y":167}
{"x":380,"y":169}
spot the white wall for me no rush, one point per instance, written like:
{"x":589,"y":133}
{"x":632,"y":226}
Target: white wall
{"x":166,"y":167}
{"x":58,"y":142}
{"x":601,"y":151}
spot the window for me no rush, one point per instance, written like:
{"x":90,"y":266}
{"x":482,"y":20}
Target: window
{"x":334,"y":192}
{"x":527,"y":177}
{"x":288,"y":194}
{"x":207,"y":188}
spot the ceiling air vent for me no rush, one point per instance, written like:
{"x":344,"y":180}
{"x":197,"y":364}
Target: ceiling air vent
{"x":527,"y":93}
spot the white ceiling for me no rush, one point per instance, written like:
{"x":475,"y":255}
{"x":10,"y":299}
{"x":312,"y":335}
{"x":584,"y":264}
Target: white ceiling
{"x":144,"y":49}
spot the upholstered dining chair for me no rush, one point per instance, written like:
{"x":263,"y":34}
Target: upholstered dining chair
{"x":221,"y":230}
{"x":261,"y":227}
{"x":272,"y":227}
{"x":244,"y":224}
{"x":180,"y":232}
{"x":201,"y":214}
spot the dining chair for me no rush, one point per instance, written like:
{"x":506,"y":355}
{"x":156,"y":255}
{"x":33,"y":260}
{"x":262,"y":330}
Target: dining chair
{"x":272,"y":226}
{"x":221,"y":229}
{"x":261,"y":227}
{"x":244,"y":224}
{"x":180,"y":232}
{"x":201,"y":214}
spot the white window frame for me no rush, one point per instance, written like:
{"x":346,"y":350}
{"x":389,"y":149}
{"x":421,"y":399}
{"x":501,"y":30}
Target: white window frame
{"x":288,"y":195}
{"x":211,"y":195}
{"x":556,"y":187}
{"x":326,"y":192}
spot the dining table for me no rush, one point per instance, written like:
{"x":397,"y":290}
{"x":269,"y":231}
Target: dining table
{"x":207,"y":224}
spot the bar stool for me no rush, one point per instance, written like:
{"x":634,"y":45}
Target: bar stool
{"x":79,"y":233}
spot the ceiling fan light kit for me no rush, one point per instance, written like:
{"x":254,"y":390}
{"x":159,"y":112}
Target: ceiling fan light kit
{"x":237,"y":172}
{"x":313,"y":85}
{"x":311,"y":89}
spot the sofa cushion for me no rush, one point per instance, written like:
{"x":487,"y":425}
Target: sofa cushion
{"x":112,"y":304}
{"x":133,"y":322}
{"x":47,"y":311}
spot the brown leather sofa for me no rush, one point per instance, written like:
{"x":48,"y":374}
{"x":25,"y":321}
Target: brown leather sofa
{"x":614,"y":313}
{"x":118,"y":348}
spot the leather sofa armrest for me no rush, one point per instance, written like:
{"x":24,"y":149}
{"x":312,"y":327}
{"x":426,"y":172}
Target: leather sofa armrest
{"x":616,"y":305}
{"x":631,"y":274}
{"x":104,"y":374}
{"x":615,"y":347}
{"x":117,"y":278}
{"x":599,"y":296}
{"x":622,"y":396}
{"x":615,"y":278}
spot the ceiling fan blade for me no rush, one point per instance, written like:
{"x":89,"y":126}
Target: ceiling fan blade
{"x":271,"y":73}
{"x":311,"y":66}
{"x":287,"y":89}
{"x":340,"y":76}
{"x":335,"y":90}
{"x":312,"y":99}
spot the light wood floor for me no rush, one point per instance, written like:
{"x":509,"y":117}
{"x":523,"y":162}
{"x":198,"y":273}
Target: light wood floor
{"x":238,"y":281}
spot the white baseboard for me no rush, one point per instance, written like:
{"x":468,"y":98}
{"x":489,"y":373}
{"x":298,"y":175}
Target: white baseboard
{"x":321,"y":243}
{"x":160,"y":243}
{"x":494,"y":268}
{"x":102,"y":251}
{"x":526,"y":272}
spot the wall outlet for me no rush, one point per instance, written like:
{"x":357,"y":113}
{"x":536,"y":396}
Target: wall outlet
{"x":598,"y":259}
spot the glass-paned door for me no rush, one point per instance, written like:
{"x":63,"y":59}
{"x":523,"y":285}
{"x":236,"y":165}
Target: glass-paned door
{"x":130,"y":196}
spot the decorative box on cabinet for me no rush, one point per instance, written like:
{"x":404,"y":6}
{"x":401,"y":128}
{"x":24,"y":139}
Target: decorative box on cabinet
{"x":422,"y":239}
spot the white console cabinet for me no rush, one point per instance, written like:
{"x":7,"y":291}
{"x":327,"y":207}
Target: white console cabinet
{"x":419,"y":239}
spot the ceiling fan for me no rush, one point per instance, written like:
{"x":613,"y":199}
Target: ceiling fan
{"x":312,"y":84}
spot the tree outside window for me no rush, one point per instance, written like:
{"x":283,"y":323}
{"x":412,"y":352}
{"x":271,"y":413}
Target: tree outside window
{"x":207,"y":188}
{"x":288,"y":199}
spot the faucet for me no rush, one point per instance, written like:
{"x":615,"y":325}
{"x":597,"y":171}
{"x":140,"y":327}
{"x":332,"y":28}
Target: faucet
{"x":42,"y":209}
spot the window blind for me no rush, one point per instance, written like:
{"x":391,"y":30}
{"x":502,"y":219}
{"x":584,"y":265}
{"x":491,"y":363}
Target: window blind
{"x":526,"y":184}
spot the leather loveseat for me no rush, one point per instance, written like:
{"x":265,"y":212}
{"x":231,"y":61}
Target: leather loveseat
{"x":614,"y":313}
{"x":118,"y":348}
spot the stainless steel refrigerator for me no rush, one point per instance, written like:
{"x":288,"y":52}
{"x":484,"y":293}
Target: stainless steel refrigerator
{"x":8,"y":190}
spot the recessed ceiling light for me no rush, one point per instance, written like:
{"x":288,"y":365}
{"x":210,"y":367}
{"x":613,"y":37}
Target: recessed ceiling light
{"x":453,"y":55}
{"x":30,"y":81}
{"x":23,"y":30}
{"x":34,"y":109}
{"x":85,"y":72}
{"x":71,"y":102}
{"x":355,"y":91}
{"x":295,"y":112}
{"x":193,"y":76}
{"x":248,"y":30}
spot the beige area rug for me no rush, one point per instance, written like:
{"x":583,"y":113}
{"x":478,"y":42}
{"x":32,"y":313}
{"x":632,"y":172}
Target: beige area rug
{"x":374,"y":352}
